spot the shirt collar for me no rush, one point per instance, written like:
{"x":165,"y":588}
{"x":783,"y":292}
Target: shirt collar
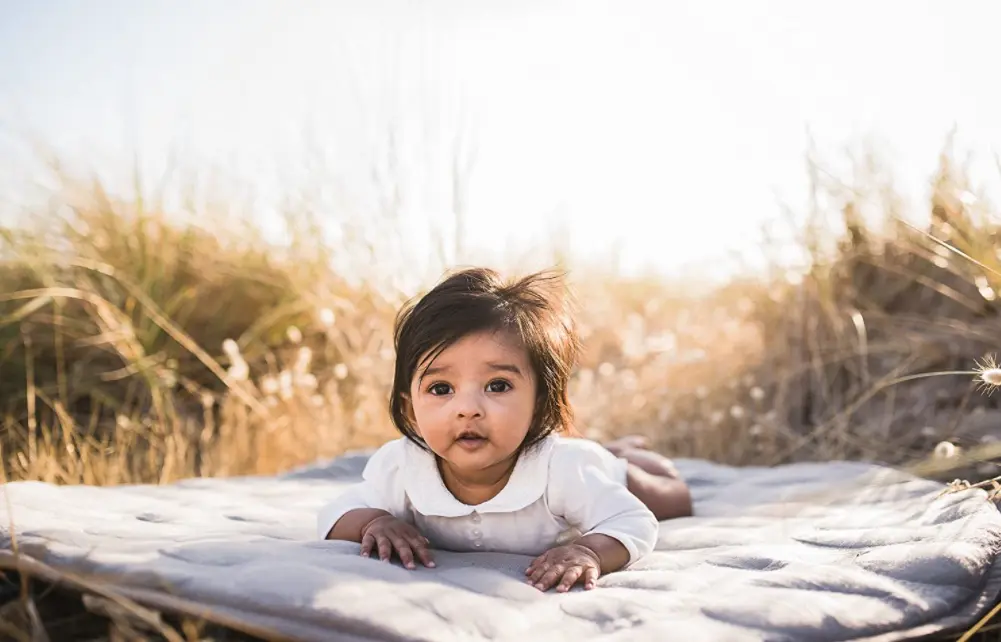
{"x":429,"y":496}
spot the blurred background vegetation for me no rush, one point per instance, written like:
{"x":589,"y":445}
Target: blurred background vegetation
{"x":210,"y":213}
{"x":146,"y":342}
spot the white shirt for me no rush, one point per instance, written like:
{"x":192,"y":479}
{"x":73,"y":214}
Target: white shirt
{"x":560,"y":490}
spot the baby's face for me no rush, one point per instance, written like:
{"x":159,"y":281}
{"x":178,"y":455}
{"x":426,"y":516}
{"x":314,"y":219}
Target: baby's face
{"x":474,"y":405}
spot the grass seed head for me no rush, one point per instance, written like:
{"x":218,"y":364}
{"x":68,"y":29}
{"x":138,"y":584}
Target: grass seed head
{"x":989,"y":374}
{"x":945,"y":450}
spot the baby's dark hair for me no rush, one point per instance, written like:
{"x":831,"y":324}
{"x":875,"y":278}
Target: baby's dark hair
{"x":535,"y":309}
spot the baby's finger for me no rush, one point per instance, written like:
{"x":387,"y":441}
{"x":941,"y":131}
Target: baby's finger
{"x":570,"y":578}
{"x":537,"y":573}
{"x":550,"y":577}
{"x":541,"y":559}
{"x":385,"y":547}
{"x":420,"y":546}
{"x":402,"y":547}
{"x":367,"y":544}
{"x":590,"y":577}
{"x":539,"y":562}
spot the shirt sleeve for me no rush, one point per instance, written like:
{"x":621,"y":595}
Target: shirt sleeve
{"x":381,"y":487}
{"x":585,"y":490}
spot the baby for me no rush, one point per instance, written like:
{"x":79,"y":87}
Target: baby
{"x":487,"y":461}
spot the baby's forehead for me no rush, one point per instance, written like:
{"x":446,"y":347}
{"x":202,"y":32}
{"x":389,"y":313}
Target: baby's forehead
{"x":501,"y":340}
{"x":478,"y":348}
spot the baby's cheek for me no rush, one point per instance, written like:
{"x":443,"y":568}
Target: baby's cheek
{"x":431,"y":435}
{"x":429,"y":419}
{"x":516,"y":426}
{"x":435,"y":438}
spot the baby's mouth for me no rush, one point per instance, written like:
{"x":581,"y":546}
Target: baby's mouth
{"x":471,"y":439}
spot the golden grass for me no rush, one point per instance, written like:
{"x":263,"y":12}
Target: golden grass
{"x":138,"y":346}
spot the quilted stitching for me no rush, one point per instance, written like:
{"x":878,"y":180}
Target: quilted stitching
{"x":827,"y":551}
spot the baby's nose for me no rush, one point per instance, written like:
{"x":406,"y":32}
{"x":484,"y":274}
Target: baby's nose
{"x":468,"y":405}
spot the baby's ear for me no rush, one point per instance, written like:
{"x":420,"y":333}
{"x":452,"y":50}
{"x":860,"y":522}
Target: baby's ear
{"x":408,"y":409}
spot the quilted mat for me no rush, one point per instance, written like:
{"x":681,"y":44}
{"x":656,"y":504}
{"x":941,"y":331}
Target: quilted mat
{"x":811,"y":551}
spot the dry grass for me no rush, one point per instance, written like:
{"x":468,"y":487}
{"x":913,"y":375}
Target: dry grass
{"x":137,"y":345}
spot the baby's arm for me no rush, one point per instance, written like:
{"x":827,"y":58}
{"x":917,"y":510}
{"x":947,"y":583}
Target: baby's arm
{"x":615,"y":525}
{"x":351,"y":525}
{"x":379,"y":493}
{"x":612,"y":555}
{"x":373,"y":512}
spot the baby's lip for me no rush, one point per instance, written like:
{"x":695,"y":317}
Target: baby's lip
{"x":471,"y":440}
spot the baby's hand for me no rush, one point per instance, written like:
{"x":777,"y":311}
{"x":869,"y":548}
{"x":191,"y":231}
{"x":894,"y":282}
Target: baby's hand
{"x":572,"y":563}
{"x":387,"y":533}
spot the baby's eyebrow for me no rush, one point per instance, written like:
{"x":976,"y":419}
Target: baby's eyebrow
{"x":507,"y":367}
{"x":503,"y":367}
{"x":433,"y":371}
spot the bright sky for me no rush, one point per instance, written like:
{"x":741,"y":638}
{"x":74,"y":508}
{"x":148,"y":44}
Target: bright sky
{"x":665,"y":129}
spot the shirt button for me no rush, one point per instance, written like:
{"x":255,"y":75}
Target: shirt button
{"x":476,"y":518}
{"x":477,"y":544}
{"x":476,"y":532}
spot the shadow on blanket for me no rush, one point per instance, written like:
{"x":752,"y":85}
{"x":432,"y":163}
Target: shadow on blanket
{"x":831,"y":551}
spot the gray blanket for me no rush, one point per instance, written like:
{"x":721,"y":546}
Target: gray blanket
{"x":830,"y":551}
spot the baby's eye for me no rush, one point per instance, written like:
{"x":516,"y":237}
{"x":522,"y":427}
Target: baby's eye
{"x":498,"y":386}
{"x":438,"y":389}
